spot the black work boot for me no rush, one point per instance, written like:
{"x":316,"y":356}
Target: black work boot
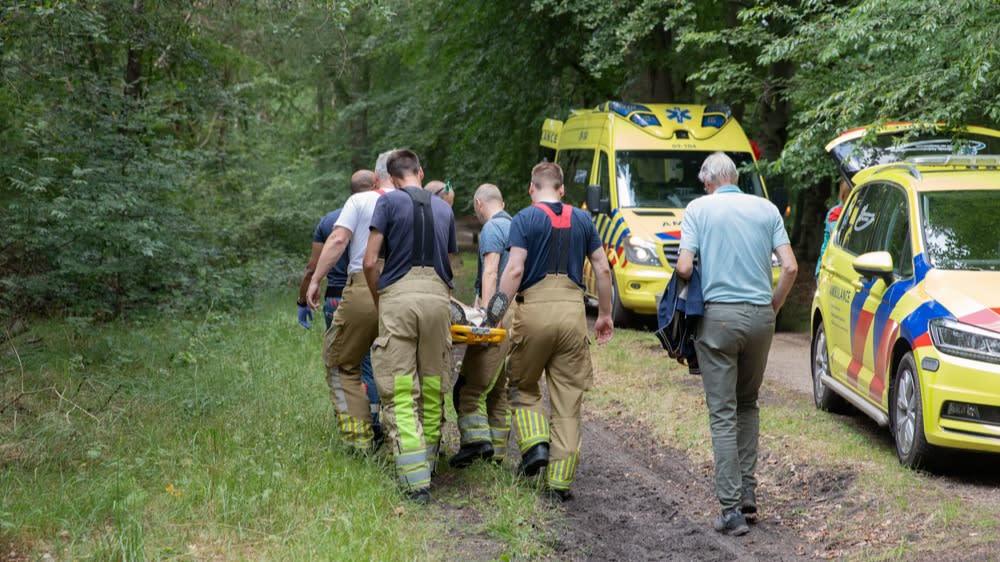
{"x":557,"y":496}
{"x":534,"y":460}
{"x":731,"y":522}
{"x":748,"y":503}
{"x":470,"y":452}
{"x":419,"y":497}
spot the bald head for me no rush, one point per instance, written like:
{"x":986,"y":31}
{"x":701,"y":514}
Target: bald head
{"x":362,"y":180}
{"x":442,"y":190}
{"x":489,"y":193}
{"x":487,"y":202}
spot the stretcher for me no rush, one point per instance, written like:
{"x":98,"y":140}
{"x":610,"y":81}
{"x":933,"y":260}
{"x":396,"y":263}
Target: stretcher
{"x":467,"y":326}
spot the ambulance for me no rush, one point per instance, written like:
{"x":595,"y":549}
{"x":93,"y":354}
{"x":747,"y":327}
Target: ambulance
{"x":906,"y":315}
{"x":635,"y":168}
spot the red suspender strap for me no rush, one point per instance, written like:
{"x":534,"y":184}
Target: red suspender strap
{"x":560,"y":221}
{"x":558,"y":250}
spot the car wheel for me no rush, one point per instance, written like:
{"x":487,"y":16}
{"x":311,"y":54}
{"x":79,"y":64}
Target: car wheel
{"x":824,"y":397}
{"x":620,"y":316}
{"x":907,"y":416}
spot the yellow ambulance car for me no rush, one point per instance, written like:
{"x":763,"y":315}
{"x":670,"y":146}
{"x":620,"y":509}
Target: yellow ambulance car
{"x":906,"y":315}
{"x":635,"y":167}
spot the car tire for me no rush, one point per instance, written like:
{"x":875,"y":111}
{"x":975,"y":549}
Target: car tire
{"x":620,"y":316}
{"x":906,"y":416}
{"x":823,"y":396}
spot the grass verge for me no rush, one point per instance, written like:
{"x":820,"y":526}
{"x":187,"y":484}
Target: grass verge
{"x":212,"y":438}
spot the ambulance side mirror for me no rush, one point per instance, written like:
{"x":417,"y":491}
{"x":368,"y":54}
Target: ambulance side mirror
{"x":875,"y":265}
{"x":595,"y":204}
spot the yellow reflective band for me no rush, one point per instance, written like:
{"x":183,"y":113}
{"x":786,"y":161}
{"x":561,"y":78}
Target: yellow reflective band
{"x":411,"y":458}
{"x":559,"y":474}
{"x":533,"y":428}
{"x":406,"y":414}
{"x":415,"y":477}
{"x":433,"y":401}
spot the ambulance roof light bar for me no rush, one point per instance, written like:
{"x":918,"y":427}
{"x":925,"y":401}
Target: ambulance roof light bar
{"x":986,"y":161}
{"x":634,"y":112}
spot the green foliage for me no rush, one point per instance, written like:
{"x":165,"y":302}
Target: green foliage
{"x":861,"y":62}
{"x":878,"y":60}
{"x":119,"y":191}
{"x":89,"y":187}
{"x":163,"y":154}
{"x":467,"y":85}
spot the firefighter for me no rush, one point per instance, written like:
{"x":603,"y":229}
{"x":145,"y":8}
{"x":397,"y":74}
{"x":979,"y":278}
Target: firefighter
{"x":412,"y":354}
{"x":336,"y":279}
{"x":548,"y":243}
{"x":480,"y":394}
{"x":355,"y":324}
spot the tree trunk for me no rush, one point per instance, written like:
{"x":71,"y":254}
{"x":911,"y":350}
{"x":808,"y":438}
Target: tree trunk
{"x":775,"y":112}
{"x":133,"y":66}
{"x":807,"y":236}
{"x":360,"y":84}
{"x":655,"y":81}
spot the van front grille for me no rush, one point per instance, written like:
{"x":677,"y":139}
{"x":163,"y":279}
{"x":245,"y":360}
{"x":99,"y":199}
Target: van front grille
{"x":671,"y":251}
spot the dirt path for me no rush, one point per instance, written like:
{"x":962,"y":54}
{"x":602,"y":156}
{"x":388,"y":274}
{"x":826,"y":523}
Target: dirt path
{"x":788,"y":362}
{"x":638,"y":501}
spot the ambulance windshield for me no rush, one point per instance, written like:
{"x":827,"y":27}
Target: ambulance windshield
{"x":961,"y":230}
{"x":669,"y":179}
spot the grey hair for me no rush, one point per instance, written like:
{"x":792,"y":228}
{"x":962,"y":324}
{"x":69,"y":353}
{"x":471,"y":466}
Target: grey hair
{"x":381,"y":165}
{"x":717,"y":169}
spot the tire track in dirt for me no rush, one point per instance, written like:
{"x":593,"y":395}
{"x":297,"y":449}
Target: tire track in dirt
{"x":635,"y":500}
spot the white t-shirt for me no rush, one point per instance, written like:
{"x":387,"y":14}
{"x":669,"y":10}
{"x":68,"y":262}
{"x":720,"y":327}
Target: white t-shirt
{"x":356,"y":217}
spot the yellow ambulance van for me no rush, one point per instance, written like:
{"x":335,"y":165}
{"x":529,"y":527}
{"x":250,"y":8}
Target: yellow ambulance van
{"x":635,"y":168}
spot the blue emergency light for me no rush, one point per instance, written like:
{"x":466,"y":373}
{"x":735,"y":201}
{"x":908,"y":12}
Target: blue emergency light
{"x":644,"y":119}
{"x":624,"y":108}
{"x":716,"y":116}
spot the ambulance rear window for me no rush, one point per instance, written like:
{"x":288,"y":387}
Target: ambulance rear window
{"x":669,"y":179}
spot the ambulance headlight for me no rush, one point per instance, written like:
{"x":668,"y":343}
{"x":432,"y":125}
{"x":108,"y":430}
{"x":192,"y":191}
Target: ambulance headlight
{"x":641,"y":251}
{"x":964,"y":340}
{"x":775,"y":262}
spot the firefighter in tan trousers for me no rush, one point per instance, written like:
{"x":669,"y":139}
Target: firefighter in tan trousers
{"x":355,"y":323}
{"x":412,"y":354}
{"x":480,"y":393}
{"x":548,"y":244}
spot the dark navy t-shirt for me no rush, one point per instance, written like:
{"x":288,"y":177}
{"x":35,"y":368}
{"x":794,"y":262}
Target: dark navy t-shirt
{"x":531,"y":230}
{"x":338,"y":275}
{"x":393,"y":217}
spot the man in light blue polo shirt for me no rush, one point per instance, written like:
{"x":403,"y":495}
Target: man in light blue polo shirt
{"x":733,"y":235}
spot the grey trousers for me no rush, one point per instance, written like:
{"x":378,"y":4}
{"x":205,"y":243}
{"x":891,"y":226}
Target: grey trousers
{"x":732,"y":345}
